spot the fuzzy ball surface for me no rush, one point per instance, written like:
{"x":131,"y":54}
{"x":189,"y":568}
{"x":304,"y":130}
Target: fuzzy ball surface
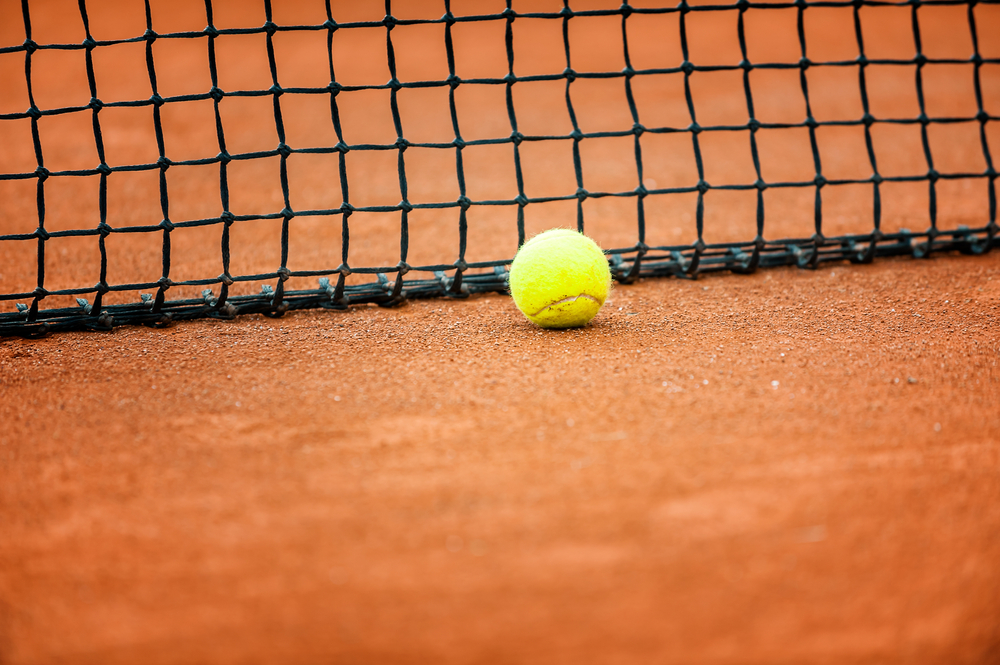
{"x":560,"y":279}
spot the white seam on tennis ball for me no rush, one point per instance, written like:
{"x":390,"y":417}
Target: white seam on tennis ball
{"x":566,"y":300}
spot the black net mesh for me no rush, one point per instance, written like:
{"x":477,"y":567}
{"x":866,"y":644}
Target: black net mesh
{"x":338,"y":284}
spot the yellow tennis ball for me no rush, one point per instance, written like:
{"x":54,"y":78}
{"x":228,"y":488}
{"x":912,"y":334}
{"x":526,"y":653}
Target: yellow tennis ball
{"x":560,"y":279}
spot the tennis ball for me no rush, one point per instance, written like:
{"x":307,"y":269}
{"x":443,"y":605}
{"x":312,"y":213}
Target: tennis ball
{"x":560,"y":279}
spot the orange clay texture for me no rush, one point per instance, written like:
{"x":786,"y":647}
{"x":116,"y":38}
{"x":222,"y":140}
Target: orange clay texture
{"x":790,"y":467}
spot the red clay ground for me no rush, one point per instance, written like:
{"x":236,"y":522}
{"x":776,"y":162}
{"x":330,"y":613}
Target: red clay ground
{"x":446,"y":483}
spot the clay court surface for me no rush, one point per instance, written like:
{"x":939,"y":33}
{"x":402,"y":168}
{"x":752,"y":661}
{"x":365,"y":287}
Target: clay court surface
{"x":445,"y":483}
{"x":794,"y":466}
